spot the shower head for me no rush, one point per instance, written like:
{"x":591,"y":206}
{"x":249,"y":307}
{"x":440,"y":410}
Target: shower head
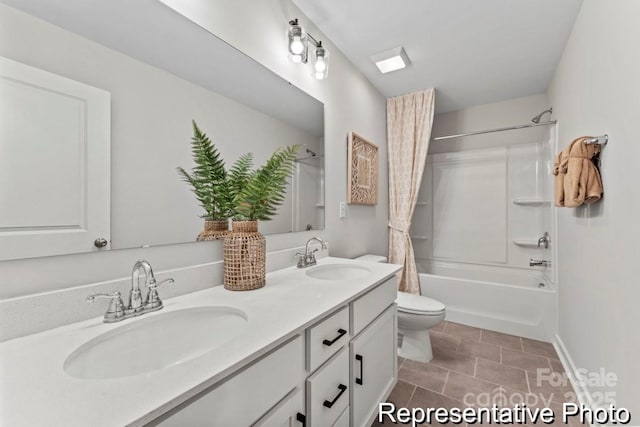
{"x":537,"y":118}
{"x":313,"y":153}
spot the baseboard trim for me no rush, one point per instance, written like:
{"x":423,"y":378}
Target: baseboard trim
{"x":582,"y":392}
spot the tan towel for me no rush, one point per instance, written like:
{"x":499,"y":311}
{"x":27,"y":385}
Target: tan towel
{"x":560,"y":170}
{"x":577,"y":178}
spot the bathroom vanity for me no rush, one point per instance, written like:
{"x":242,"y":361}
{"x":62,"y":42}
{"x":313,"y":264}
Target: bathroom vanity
{"x":314,"y":347}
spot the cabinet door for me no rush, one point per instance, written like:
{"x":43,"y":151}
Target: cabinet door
{"x":373,"y":366}
{"x":343,"y":421}
{"x":289,"y":412}
{"x":245,"y":397}
{"x":54,"y":164}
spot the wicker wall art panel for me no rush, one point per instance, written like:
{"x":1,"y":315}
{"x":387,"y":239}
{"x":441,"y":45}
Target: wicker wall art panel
{"x":362,"y":171}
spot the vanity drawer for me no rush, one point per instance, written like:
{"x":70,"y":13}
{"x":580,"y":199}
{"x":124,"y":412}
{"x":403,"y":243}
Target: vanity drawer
{"x":370,"y":305}
{"x":327,"y":337}
{"x":343,"y":420}
{"x":327,"y":391}
{"x":288,"y":412}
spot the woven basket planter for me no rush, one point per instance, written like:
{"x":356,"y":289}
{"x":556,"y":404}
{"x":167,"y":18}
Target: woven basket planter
{"x":244,"y":257}
{"x":213,"y":230}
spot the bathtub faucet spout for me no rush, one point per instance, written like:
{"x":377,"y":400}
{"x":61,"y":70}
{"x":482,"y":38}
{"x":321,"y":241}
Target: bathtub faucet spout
{"x":544,"y":241}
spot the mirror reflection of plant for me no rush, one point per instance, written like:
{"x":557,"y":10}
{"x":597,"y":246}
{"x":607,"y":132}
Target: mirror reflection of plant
{"x":239,"y":193}
{"x":264,"y":189}
{"x":208,"y":178}
{"x":237,"y":179}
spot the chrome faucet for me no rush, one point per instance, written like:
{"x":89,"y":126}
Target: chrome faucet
{"x":544,"y":240}
{"x":308,"y":258}
{"x":539,"y":263}
{"x":136,"y":307}
{"x":135,"y":296}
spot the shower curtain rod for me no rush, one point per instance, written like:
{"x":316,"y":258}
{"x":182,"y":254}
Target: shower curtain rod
{"x":309,"y":158}
{"x":480,"y":132}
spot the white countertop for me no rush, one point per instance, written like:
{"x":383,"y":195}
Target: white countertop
{"x":35,"y":391}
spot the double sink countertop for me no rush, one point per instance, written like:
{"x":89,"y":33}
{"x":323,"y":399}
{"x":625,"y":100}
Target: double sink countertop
{"x":35,"y":390}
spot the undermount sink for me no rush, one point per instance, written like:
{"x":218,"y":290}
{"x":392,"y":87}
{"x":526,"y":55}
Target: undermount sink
{"x":338,"y":272}
{"x":157,"y":342}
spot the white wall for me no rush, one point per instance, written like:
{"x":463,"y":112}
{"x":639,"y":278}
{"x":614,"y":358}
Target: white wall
{"x":351,"y":103}
{"x":511,"y":112}
{"x":596,"y":90}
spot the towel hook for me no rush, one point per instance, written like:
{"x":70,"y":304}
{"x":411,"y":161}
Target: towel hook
{"x":602,"y":140}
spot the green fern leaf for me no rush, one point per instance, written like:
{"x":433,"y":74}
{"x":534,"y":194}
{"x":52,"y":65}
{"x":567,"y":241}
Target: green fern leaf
{"x":265,"y":190}
{"x":208,"y":177}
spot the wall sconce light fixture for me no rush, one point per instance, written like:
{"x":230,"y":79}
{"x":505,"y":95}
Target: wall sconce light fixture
{"x":298,"y":46}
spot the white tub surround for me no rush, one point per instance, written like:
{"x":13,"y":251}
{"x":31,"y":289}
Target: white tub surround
{"x":514,"y":301}
{"x":485,"y":207}
{"x":36,"y":390}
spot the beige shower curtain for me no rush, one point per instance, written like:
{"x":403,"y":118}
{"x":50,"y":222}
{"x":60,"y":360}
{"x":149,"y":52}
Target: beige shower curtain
{"x":409,"y":120}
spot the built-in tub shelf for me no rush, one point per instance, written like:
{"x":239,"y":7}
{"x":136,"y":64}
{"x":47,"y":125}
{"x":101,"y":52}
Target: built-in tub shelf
{"x":533,"y":243}
{"x":531,"y":201}
{"x":418,"y":237}
{"x":421,"y":203}
{"x":319,"y":205}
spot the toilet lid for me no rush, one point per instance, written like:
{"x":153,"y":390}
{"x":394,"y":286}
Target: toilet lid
{"x":372,"y":258}
{"x":418,"y":304}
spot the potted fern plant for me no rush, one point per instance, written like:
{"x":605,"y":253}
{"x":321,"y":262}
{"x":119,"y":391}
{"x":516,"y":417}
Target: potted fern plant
{"x":256,"y":196}
{"x":209,"y":182}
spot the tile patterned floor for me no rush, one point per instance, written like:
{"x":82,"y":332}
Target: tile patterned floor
{"x":479,"y":368}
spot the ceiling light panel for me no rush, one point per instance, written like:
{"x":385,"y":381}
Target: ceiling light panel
{"x":391,"y":60}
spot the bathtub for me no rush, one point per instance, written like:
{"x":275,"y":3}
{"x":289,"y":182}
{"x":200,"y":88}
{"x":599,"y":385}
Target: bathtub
{"x":514,"y":301}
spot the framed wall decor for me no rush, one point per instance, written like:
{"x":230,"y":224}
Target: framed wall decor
{"x":362,"y":171}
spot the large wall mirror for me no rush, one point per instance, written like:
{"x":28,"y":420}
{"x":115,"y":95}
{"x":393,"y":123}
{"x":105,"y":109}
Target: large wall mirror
{"x":160,"y":71}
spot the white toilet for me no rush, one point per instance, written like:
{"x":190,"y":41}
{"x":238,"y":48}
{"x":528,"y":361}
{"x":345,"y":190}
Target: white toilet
{"x":416,"y":315}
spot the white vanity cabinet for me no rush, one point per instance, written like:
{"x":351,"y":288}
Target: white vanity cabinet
{"x":246,"y":396}
{"x":369,"y":358}
{"x":333,"y":373}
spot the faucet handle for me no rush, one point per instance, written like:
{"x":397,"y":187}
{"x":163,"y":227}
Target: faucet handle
{"x":310,"y":259}
{"x":116,"y":306}
{"x":153,"y":301}
{"x":154,"y":285}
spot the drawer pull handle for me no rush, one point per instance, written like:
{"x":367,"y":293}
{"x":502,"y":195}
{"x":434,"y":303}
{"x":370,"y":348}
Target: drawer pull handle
{"x":360,"y":358}
{"x":302,"y":419}
{"x":341,"y":333}
{"x":342,"y":389}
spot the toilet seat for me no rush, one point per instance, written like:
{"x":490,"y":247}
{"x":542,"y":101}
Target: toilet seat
{"x":419,"y":304}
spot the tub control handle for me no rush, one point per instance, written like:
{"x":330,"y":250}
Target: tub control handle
{"x":329,"y":404}
{"x":360,"y":358}
{"x":341,"y":333}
